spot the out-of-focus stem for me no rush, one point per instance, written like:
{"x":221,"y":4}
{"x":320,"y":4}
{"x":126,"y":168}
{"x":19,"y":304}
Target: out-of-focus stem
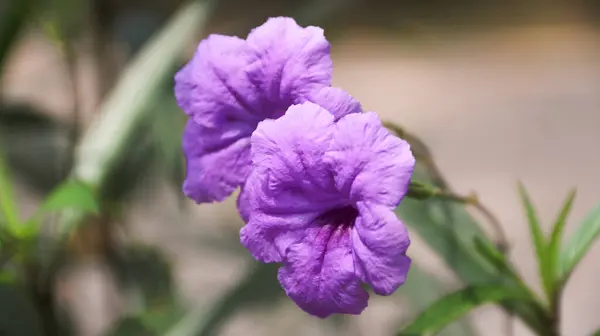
{"x":71,"y":63}
{"x":473,"y":200}
{"x":555,"y":304}
{"x":423,"y":154}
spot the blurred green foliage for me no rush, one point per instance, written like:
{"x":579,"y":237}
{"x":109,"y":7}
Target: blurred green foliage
{"x":136,"y":136}
{"x":19,"y":316}
{"x":453,"y":306}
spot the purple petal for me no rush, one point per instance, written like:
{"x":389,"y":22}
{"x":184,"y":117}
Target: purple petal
{"x":292,"y":60}
{"x":243,"y":205}
{"x":289,"y":185}
{"x":268,"y":237}
{"x":214,"y":88}
{"x":217,"y":161}
{"x":379,"y":242}
{"x":369,"y":163}
{"x":287,"y":155}
{"x":337,"y":101}
{"x":319,"y":275}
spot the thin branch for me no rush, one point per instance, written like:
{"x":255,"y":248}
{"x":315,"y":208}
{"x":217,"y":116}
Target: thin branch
{"x":423,"y":153}
{"x":473,"y":200}
{"x":71,"y":63}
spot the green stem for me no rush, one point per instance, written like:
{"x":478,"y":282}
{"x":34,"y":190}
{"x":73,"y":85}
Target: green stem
{"x":423,"y":191}
{"x":533,"y":315}
{"x":555,"y":304}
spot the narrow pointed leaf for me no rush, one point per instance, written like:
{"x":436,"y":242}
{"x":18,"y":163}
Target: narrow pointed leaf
{"x":449,"y":229}
{"x":494,"y":256}
{"x":457,"y":304}
{"x":539,"y":241}
{"x":581,"y":241}
{"x":555,"y":239}
{"x":72,"y":195}
{"x":510,"y":276}
{"x":26,"y":230}
{"x":423,"y":289}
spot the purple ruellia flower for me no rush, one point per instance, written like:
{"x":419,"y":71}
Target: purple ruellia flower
{"x":232,"y":84}
{"x":320,"y":200}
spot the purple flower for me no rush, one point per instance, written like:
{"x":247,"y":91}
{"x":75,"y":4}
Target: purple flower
{"x":232,"y":84}
{"x":320,"y":200}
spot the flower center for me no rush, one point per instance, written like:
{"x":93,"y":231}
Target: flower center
{"x":339,"y":218}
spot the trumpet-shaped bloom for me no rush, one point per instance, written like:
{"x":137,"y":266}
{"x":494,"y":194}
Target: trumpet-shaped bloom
{"x":320,"y":200}
{"x":232,"y":84}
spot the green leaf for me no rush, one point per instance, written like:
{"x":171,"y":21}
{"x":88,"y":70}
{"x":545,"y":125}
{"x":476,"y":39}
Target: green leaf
{"x":421,"y":290}
{"x":494,"y":256}
{"x":539,"y":241}
{"x":26,"y":230}
{"x":457,"y":304}
{"x":74,"y":195}
{"x":8,"y":204}
{"x":581,"y":241}
{"x":450,"y":231}
{"x":498,"y":259}
{"x":555,"y":240}
{"x":7,"y":277}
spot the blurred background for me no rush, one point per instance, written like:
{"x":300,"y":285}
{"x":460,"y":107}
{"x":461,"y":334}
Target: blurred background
{"x":498,"y":90}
